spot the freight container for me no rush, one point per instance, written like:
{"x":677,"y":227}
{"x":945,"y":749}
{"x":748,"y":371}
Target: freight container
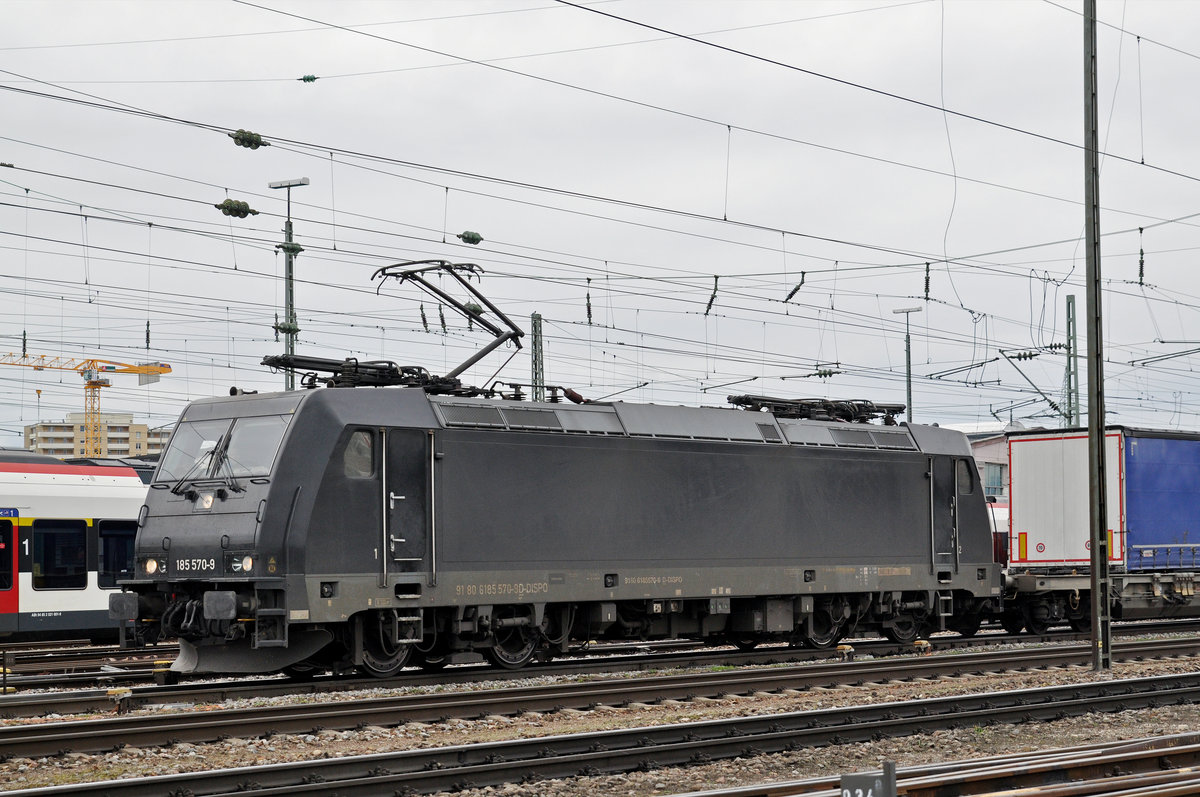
{"x":1153,"y":494}
{"x":1048,"y":498}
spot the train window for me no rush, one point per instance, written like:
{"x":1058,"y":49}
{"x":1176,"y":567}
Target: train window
{"x":966,"y":479}
{"x":59,"y":554}
{"x":191,"y":445}
{"x":207,"y":449}
{"x":6,"y":554}
{"x":254,"y":444}
{"x":116,"y":551}
{"x":358,"y":459}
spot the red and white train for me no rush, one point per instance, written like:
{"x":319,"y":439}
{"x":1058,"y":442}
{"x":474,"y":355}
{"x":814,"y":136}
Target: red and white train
{"x":66,"y":538}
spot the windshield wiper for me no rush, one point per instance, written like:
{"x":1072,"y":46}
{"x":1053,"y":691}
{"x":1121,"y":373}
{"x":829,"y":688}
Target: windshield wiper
{"x":207,"y":457}
{"x":227,"y":476}
{"x":177,"y":488}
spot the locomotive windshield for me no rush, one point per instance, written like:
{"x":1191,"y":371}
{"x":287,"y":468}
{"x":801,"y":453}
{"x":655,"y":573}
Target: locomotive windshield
{"x":237,"y":448}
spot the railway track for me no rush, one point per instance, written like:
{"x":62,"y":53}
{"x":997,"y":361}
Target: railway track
{"x":84,"y":701}
{"x":148,"y":730}
{"x":1154,"y":767}
{"x":424,"y":771}
{"x":80,"y":701}
{"x":34,"y":667}
{"x":38,"y":668}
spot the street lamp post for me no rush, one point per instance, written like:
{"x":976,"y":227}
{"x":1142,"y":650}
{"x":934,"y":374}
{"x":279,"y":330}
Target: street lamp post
{"x":908,"y":311}
{"x":289,"y":328}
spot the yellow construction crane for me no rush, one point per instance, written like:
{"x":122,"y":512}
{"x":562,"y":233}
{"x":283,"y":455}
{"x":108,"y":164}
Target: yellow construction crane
{"x":94,"y":373}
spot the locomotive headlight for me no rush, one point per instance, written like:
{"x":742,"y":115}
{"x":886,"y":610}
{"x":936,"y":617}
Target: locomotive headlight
{"x":239,"y":563}
{"x":151,"y":566}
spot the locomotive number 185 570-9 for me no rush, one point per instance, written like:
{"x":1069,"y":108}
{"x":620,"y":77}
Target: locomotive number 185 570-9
{"x":182,"y":565}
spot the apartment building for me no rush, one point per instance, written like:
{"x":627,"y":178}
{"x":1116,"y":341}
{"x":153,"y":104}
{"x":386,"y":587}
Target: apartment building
{"x":119,"y":436}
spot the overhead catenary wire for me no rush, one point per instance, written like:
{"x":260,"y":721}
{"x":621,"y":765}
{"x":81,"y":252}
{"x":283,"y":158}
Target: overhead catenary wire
{"x":733,"y":288}
{"x":870,"y":89}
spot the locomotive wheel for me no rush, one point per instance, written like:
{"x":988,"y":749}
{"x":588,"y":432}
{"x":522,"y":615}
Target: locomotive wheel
{"x":823,"y":640}
{"x":514,"y":646}
{"x":745,"y":643}
{"x":379,"y":665}
{"x":432,"y":660}
{"x":302,"y":670}
{"x":381,"y":658}
{"x":434,"y":656}
{"x":1036,"y":626}
{"x":1012,"y":621}
{"x":1080,"y":624}
{"x":905,"y":630}
{"x":826,"y":633}
{"x":968,"y":625}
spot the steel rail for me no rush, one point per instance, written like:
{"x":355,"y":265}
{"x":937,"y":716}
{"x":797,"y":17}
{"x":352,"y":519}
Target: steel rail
{"x":1150,"y":766}
{"x":148,"y":730}
{"x":96,"y":700}
{"x":649,"y":748}
{"x":77,"y":702}
{"x":591,"y":659}
{"x":603,"y":658}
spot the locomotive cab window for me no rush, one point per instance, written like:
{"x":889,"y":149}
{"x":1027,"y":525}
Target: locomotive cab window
{"x":190,"y":449}
{"x":59,"y":554}
{"x":254,"y":443}
{"x":116,"y":551}
{"x":966,"y":479}
{"x":237,"y":448}
{"x":6,"y":554}
{"x":358,"y":458}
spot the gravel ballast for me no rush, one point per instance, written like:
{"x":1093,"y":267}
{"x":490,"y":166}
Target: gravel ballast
{"x":964,"y":743}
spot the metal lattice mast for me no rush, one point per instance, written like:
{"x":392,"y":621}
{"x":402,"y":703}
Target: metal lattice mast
{"x":1072,"y":364}
{"x":290,"y":250}
{"x":536,"y":356}
{"x":290,"y":328}
{"x":91,"y":416}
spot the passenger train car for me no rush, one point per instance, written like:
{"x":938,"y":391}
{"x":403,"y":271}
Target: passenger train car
{"x":66,"y":538}
{"x":371,"y":528}
{"x":1153,"y":501}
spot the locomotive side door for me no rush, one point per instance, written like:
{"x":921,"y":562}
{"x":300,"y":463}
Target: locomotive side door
{"x":943,"y":510}
{"x":406,"y":477}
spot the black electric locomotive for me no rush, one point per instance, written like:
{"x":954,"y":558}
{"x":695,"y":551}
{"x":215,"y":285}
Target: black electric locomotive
{"x":373,"y":528}
{"x":361,"y":526}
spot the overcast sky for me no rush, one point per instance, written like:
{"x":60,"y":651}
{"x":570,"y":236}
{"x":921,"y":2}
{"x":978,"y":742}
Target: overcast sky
{"x":654,"y":178}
